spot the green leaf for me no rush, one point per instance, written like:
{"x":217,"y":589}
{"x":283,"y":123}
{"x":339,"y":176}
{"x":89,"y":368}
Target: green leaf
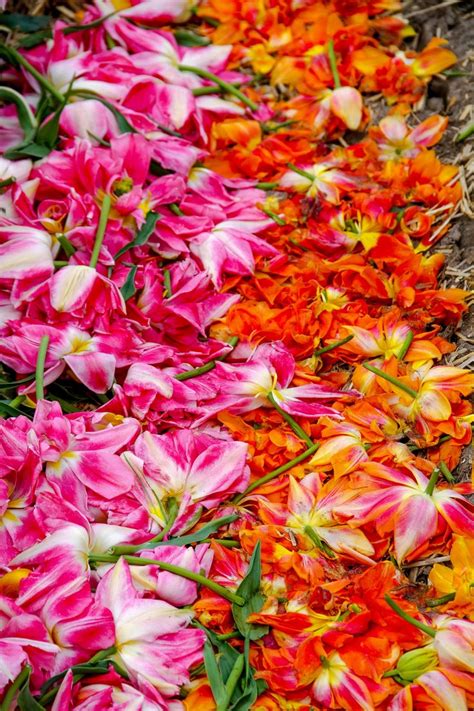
{"x":34,"y":39}
{"x":250,"y":688}
{"x":25,"y":116}
{"x":190,"y":39}
{"x":47,"y":134}
{"x":249,"y":589}
{"x":24,"y":23}
{"x":214,"y":674}
{"x":7,"y":384}
{"x":30,"y":150}
{"x":199,"y":535}
{"x":25,"y":701}
{"x":143,"y":234}
{"x":129,"y":289}
{"x":7,"y":410}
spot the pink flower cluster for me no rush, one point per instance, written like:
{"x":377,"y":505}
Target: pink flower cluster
{"x":113,"y":250}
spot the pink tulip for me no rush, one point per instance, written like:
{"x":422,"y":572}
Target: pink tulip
{"x":152,"y":637}
{"x":67,"y":347}
{"x":167,"y":586}
{"x":20,"y":470}
{"x":193,"y":468}
{"x":230,"y":247}
{"x":78,"y":460}
{"x":268,"y":372}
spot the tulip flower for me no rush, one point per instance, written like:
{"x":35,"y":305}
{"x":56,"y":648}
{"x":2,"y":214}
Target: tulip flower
{"x":152,"y":638}
{"x":193,"y":470}
{"x":408,"y":505}
{"x":323,"y":178}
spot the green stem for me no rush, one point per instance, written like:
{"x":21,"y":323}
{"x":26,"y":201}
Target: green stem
{"x":229,"y":88}
{"x":66,"y":245}
{"x":39,"y":372}
{"x":228,"y":635}
{"x":99,"y":237}
{"x":274,"y":126}
{"x":196,"y":371}
{"x":177,"y":570}
{"x":445,"y":472}
{"x":318,"y":542}
{"x":60,"y":263}
{"x":405,"y":345}
{"x":276,"y":472}
{"x":175,"y":209}
{"x":226,"y":542}
{"x":462,"y":135}
{"x":297,"y":429}
{"x":440,"y":600}
{"x":408,"y":618}
{"x":274,"y":216}
{"x":42,"y":81}
{"x":391,"y":379}
{"x":15,"y":686}
{"x":333,"y":64}
{"x":208,"y":366}
{"x":333,"y":346}
{"x":300,"y":171}
{"x":267,"y":186}
{"x":167,"y":291}
{"x":231,"y":682}
{"x":205,"y":90}
{"x":432,"y":481}
{"x":7,"y":182}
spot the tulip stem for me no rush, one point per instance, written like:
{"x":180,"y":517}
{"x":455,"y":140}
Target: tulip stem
{"x":333,"y":346}
{"x":207,"y":366}
{"x":267,"y":186}
{"x":333,"y":64}
{"x":99,"y":237}
{"x":300,"y":171}
{"x":445,"y":472}
{"x":228,"y":88}
{"x":391,"y":379}
{"x":177,"y":570}
{"x":276,"y":472}
{"x":157,"y":540}
{"x":231,"y":682}
{"x":16,"y":684}
{"x":433,"y":481}
{"x":42,"y":81}
{"x":408,"y":618}
{"x":297,"y":429}
{"x":40,"y":361}
{"x":167,"y":291}
{"x":434,"y":602}
{"x":273,"y":216}
{"x":405,"y":345}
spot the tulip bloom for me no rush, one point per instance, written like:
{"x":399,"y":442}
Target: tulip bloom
{"x":323,"y":178}
{"x":152,"y":637}
{"x":404,"y":504}
{"x":194,"y":469}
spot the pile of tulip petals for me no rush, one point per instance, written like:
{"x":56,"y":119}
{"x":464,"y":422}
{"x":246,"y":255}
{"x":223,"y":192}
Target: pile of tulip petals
{"x":228,"y":431}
